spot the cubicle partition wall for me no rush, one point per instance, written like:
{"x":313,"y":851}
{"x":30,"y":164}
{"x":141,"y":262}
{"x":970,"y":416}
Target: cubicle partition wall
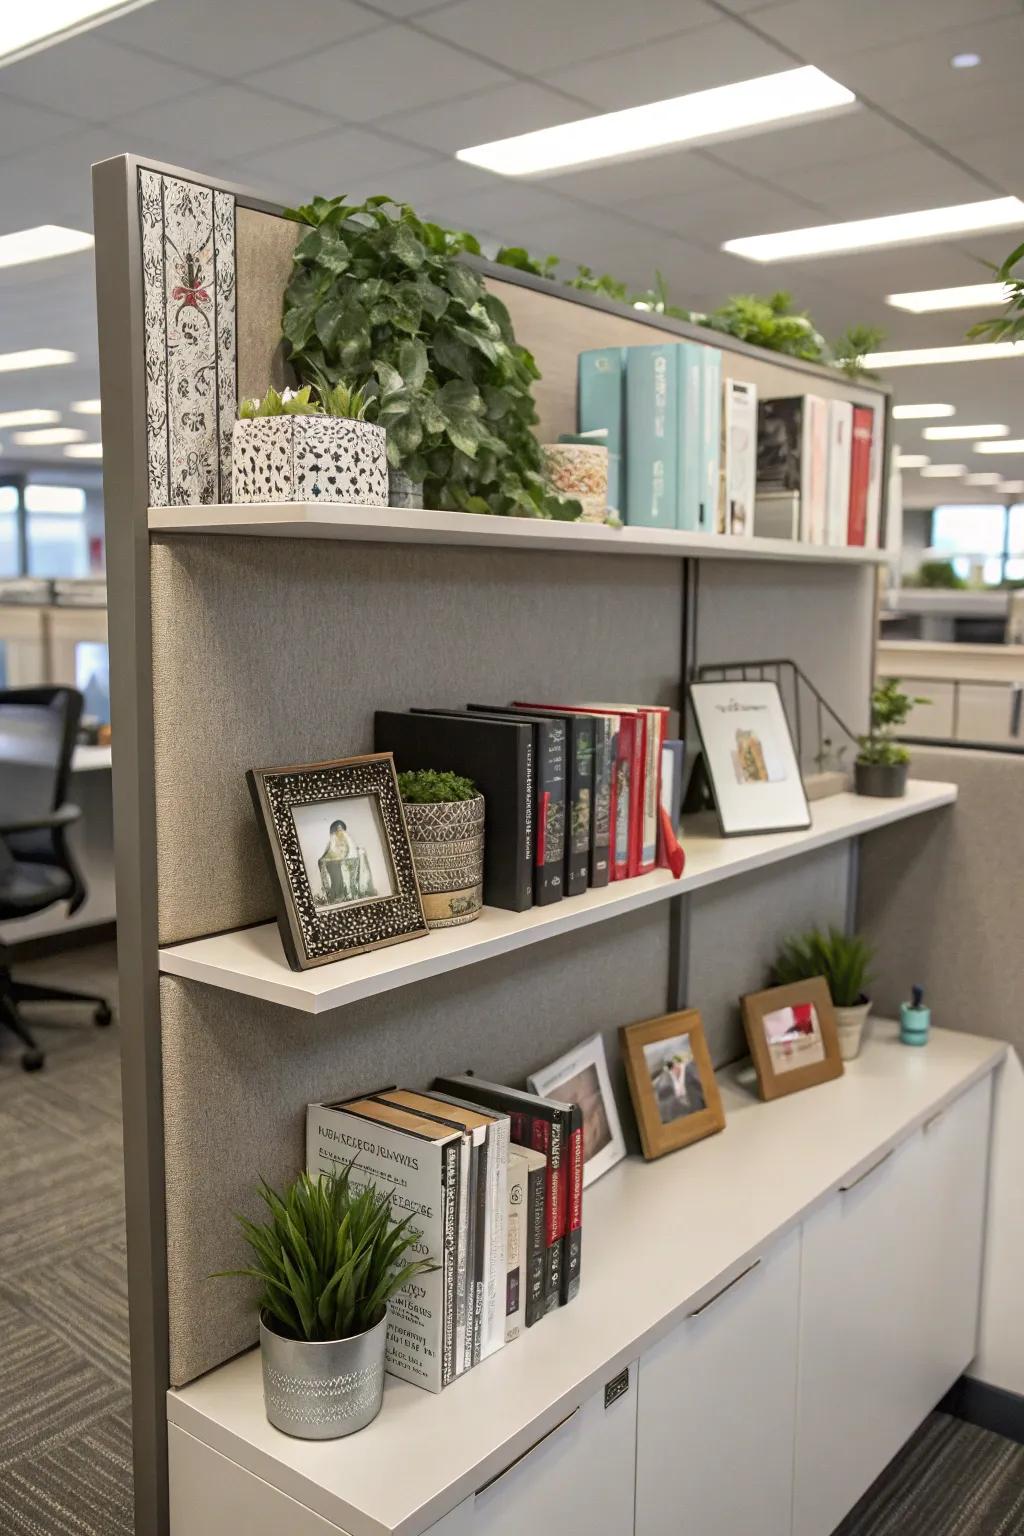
{"x":253,"y":637}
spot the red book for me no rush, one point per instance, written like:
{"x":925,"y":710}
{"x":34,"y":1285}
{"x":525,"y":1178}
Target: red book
{"x":652,"y":729}
{"x":860,"y":475}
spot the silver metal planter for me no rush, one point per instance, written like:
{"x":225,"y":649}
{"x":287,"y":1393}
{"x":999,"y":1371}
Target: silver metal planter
{"x":447,"y":841}
{"x":323,"y":1391}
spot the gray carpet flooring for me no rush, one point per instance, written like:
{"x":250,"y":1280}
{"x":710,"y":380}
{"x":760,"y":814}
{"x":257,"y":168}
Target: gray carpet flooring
{"x":65,"y":1424}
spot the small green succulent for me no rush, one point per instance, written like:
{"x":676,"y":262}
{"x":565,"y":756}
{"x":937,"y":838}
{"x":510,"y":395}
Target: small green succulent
{"x":293,"y":402}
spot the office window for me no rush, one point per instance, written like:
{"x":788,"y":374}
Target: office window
{"x":966,"y":533}
{"x":92,"y":678}
{"x":9,"y":554}
{"x":1015,"y":543}
{"x":56,"y":532}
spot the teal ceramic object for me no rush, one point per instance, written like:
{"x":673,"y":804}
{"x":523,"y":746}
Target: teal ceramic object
{"x":915,"y":1019}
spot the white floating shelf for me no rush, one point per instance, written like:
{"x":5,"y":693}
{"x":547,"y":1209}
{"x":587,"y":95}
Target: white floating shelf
{"x":251,"y":960}
{"x":397,"y":525}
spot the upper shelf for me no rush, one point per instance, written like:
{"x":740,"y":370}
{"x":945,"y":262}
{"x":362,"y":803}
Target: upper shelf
{"x":251,"y":960}
{"x":386,"y":525}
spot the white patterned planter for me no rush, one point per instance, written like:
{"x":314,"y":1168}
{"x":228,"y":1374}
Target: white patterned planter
{"x":447,"y":841}
{"x":309,"y":458}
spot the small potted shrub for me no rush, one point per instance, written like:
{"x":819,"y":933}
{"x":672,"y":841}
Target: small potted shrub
{"x":445,"y":816}
{"x":297,"y":447}
{"x":845,"y":962}
{"x":329,"y":1258}
{"x":882,"y":763}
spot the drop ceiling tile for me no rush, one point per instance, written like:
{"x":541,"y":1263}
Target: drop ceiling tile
{"x":401,"y":9}
{"x":691,"y":61}
{"x":878,"y":184}
{"x":505,"y":205}
{"x":24,"y":128}
{"x":233,"y":37}
{"x":535,"y":36}
{"x":741,"y":208}
{"x":96,"y":79}
{"x":328,"y":164}
{"x":499,"y":113}
{"x":783,"y":151}
{"x":363,"y":79}
{"x":949,"y":117}
{"x":920,"y":66}
{"x":221,"y":122}
{"x":996,"y":155}
{"x":598,"y":238}
{"x":624,"y":182}
{"x":827,"y":32}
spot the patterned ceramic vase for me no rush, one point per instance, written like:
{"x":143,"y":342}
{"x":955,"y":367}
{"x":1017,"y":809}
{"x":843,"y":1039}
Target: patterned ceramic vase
{"x":580,"y":470}
{"x":447,"y":842}
{"x":403,"y":492}
{"x":309,"y":458}
{"x":323,"y":1391}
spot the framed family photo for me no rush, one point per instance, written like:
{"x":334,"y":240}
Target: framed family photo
{"x":671,"y":1082}
{"x":792,"y":1036}
{"x":749,"y":757}
{"x":581,"y":1077}
{"x":337,"y":843}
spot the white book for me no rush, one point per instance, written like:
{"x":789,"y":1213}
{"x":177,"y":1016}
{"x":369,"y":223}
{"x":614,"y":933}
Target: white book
{"x":417,"y":1162}
{"x":814,"y":479}
{"x":739,"y":453}
{"x":516,"y":1240}
{"x":840,"y":439}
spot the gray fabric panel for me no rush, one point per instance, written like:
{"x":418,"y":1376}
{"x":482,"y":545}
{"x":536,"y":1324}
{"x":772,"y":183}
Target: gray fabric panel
{"x":940,"y":897}
{"x":736,"y":928}
{"x":238,"y":1075}
{"x":271,"y":651}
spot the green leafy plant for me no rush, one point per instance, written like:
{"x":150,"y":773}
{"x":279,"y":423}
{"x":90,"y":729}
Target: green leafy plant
{"x":890,"y":707}
{"x":1008,"y":326}
{"x":379,"y":297}
{"x":340,"y":401}
{"x":843,"y":959}
{"x":850,"y":349}
{"x":329,"y":1258}
{"x":937,"y":573}
{"x":770,"y":322}
{"x":426,"y":786}
{"x":292,"y":402}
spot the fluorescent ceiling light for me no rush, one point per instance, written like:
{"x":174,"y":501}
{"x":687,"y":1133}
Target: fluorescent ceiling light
{"x":928,"y":301}
{"x":912,"y":460}
{"x":871,"y":234}
{"x":724,"y":111}
{"x":1013,"y":486}
{"x":84,"y":451}
{"x":24,"y":29}
{"x":37,"y":357}
{"x":39,"y":244}
{"x":966,"y":352}
{"x":48,"y":435}
{"x":913,"y":412}
{"x":985,"y":477}
{"x":1014,"y":445}
{"x":32,"y":418}
{"x":949,"y":434}
{"x":944,"y":471}
{"x":86,"y":407}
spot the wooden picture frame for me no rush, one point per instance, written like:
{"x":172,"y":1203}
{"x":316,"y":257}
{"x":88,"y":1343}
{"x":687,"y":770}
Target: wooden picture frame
{"x":749,"y":757}
{"x":777,"y":1060}
{"x":339,"y":852}
{"x":663,"y":1095}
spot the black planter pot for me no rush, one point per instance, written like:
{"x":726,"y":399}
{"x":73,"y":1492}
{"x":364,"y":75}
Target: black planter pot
{"x":887,"y":781}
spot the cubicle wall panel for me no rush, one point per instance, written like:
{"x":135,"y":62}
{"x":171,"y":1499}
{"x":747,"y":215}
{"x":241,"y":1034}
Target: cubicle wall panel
{"x":736,"y":929}
{"x":239,"y":1073}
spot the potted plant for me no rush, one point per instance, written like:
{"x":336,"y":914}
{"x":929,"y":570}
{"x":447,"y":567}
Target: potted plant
{"x":294,"y":447}
{"x":329,"y":1258}
{"x":845,"y":961}
{"x":882,"y":763}
{"x":444,"y":813}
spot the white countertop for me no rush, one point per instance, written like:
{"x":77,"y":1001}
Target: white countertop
{"x":88,"y":759}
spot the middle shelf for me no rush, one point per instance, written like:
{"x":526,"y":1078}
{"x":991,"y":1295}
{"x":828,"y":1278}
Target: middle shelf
{"x":251,"y":960}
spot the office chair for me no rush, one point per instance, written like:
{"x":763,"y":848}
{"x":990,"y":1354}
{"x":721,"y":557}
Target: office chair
{"x":38,"y":728}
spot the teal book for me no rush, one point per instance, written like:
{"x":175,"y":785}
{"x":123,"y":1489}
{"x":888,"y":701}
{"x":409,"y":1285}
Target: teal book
{"x":601,"y":405}
{"x":711,"y":436}
{"x":688,"y":476}
{"x":652,"y":435}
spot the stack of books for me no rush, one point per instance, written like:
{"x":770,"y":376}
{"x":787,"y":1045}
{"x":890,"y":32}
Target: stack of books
{"x":819,"y":472}
{"x":574,"y":792}
{"x":492,"y":1181}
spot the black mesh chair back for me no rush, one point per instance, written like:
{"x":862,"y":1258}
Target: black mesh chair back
{"x":38,"y":729}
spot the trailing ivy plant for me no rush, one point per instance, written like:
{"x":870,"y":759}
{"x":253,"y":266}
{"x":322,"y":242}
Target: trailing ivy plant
{"x":379,"y":299}
{"x":770,"y":322}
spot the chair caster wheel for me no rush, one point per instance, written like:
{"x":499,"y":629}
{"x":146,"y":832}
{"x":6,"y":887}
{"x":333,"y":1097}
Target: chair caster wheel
{"x":32,"y":1061}
{"x":103,"y":1015}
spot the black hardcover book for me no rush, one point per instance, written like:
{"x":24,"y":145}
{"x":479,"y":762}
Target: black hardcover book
{"x":549,"y":797}
{"x":572,"y":1243}
{"x":536,"y":1305}
{"x":498,"y":755}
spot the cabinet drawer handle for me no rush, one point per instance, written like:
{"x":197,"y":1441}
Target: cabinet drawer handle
{"x":725,"y":1288}
{"x":491,"y":1481}
{"x":844,"y":1189}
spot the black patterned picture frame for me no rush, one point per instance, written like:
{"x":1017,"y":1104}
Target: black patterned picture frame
{"x":345,"y":913}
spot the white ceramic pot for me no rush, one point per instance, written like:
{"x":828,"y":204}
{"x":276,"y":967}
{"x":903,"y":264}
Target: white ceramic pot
{"x":309,"y":458}
{"x":850,"y":1023}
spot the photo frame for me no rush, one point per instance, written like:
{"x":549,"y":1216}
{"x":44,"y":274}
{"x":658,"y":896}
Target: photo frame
{"x":336,"y":840}
{"x":581,"y":1077}
{"x":793,"y":1036}
{"x":671,"y":1082}
{"x":749,"y":757}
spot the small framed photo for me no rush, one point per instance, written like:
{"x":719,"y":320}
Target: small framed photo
{"x":749,"y":756}
{"x":671,"y":1081}
{"x":337,"y":843}
{"x":793,"y":1037}
{"x":581,"y":1077}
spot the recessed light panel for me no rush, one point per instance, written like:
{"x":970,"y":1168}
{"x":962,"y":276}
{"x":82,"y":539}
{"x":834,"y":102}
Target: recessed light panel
{"x":949,"y":434}
{"x":26,"y":28}
{"x":723,"y":112}
{"x":912,"y":460}
{"x":966,"y":352}
{"x":921,"y":412}
{"x":37,"y":357}
{"x":1012,"y":487}
{"x":984,"y":477}
{"x":47,"y":435}
{"x":1011,"y":445}
{"x":41,"y":243}
{"x":873,"y":234}
{"x":84,"y":451}
{"x":927,"y":301}
{"x":944,"y":471}
{"x":85,"y":407}
{"x":30,"y":418}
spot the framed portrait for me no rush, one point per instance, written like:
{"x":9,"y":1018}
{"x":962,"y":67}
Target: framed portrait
{"x":671,"y":1081}
{"x":749,"y":757}
{"x":792,"y":1036}
{"x":581,"y":1077}
{"x":338,"y":847}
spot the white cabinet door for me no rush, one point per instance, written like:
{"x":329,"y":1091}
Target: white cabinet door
{"x":888,"y":1307}
{"x":577,"y":1478}
{"x":717,"y":1409}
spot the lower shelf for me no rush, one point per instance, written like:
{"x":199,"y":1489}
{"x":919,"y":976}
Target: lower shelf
{"x":251,"y":960}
